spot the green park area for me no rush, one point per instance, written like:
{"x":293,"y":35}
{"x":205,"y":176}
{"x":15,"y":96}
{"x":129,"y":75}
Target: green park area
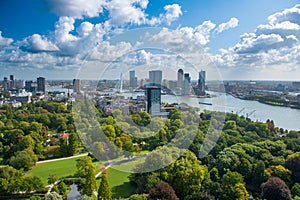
{"x":117,"y":174}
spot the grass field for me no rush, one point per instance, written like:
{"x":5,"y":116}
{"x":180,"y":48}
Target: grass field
{"x":61,"y":168}
{"x":119,"y":181}
{"x":117,"y":174}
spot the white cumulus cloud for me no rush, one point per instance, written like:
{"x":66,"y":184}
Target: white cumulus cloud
{"x":232,"y":23}
{"x":77,"y":8}
{"x":5,"y":41}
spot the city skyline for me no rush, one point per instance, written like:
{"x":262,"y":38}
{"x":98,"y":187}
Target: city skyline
{"x":264,"y":46}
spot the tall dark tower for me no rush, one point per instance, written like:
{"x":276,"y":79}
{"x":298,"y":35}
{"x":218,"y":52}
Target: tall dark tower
{"x":41,"y":84}
{"x":12,"y":82}
{"x":180,"y":81}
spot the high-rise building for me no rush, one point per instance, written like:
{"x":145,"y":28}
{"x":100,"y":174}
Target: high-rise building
{"x":186,"y":84}
{"x":155,"y":77}
{"x":11,"y":82}
{"x":41,"y":84}
{"x":5,"y":84}
{"x":132,"y":79}
{"x":76,"y":85}
{"x":29,"y":86}
{"x":180,"y":79}
{"x":153,"y":98}
{"x":201,"y":82}
{"x":179,"y":86}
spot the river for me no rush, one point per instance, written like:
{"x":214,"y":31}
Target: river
{"x":283,"y":117}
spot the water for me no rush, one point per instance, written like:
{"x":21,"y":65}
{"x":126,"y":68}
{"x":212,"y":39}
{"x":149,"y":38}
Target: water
{"x":283,"y":117}
{"x":74,"y":193}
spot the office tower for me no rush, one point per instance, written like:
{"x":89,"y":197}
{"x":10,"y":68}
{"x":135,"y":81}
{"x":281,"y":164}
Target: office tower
{"x":179,"y":78}
{"x":179,"y":87}
{"x":142,"y":83}
{"x":155,"y":77}
{"x":5,"y":84}
{"x":28,"y":86}
{"x":201,"y":82}
{"x":12,"y":82}
{"x":41,"y":84}
{"x":153,"y":98}
{"x":76,"y":85}
{"x":186,"y":84}
{"x":132,"y":79}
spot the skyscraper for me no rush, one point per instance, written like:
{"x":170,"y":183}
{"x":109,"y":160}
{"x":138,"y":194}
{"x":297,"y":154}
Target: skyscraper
{"x":76,"y":85}
{"x":179,"y":80}
{"x":155,"y":77}
{"x":11,"y":82}
{"x":132,"y":79}
{"x":5,"y":84}
{"x":153,"y":98}
{"x":186,"y":84}
{"x":201,"y":82}
{"x":41,"y":84}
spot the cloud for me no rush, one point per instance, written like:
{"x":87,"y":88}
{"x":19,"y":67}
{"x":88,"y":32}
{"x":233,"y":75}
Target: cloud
{"x":270,"y":45}
{"x":38,"y":43}
{"x":77,"y":8}
{"x":142,"y":57}
{"x":173,"y":12}
{"x":5,"y":41}
{"x":199,"y":34}
{"x":232,"y":23}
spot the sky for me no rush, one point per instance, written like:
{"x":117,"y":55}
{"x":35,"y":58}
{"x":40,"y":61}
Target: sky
{"x":241,"y":39}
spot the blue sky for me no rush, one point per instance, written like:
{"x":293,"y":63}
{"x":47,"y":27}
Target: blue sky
{"x":255,"y":39}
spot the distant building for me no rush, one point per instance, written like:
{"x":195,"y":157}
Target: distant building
{"x":30,"y":86}
{"x":296,"y":85}
{"x":172,"y":85}
{"x":200,"y":88}
{"x":19,"y":84}
{"x":179,"y":81}
{"x":186,"y":84}
{"x":132,"y":79}
{"x":142,"y":83}
{"x":155,"y":77}
{"x":41,"y":84}
{"x":11,"y":82}
{"x":6,"y":84}
{"x":21,"y":96}
{"x":153,"y":98}
{"x":76,"y":85}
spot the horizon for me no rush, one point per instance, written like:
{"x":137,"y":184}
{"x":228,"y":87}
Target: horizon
{"x":69,"y":36}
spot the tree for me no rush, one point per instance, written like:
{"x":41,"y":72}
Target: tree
{"x":162,"y":191}
{"x":296,"y":190}
{"x":52,"y":178}
{"x":86,"y":170}
{"x":275,"y":188}
{"x":233,"y":187}
{"x":53,"y":196}
{"x":104,"y":192}
{"x":62,"y":188}
{"x":73,"y":144}
{"x":23,"y":159}
{"x":293,"y":164}
{"x":138,"y":197}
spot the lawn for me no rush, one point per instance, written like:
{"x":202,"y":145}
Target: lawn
{"x":117,"y":174}
{"x":119,"y":181}
{"x":61,"y":168}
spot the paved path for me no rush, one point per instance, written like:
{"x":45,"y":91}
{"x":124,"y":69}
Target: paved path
{"x":58,"y":159}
